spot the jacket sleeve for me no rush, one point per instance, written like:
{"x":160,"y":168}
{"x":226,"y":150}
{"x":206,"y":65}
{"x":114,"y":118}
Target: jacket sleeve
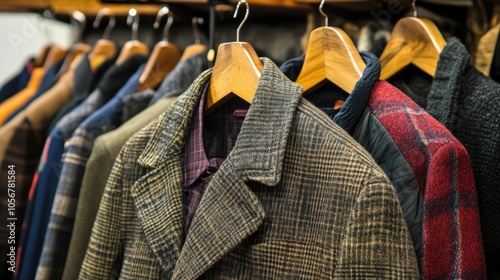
{"x":100,"y":260}
{"x":97,"y":172}
{"x":376,"y":243}
{"x":451,"y":231}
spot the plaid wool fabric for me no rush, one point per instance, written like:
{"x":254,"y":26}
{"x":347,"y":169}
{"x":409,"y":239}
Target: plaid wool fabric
{"x":451,"y":235}
{"x":23,"y":153}
{"x":297,"y":198}
{"x":468,"y":104}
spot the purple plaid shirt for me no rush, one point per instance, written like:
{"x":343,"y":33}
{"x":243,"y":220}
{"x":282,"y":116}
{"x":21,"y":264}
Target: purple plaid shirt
{"x":209,"y":142}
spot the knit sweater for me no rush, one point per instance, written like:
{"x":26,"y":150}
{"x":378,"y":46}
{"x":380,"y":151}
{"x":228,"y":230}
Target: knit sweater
{"x":468,"y":104}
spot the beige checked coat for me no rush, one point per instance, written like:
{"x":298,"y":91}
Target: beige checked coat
{"x":297,"y":198}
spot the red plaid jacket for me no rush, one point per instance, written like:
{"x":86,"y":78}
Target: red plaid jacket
{"x":451,"y":235}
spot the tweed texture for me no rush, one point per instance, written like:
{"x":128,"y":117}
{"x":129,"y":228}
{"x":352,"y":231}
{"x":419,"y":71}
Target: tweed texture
{"x":136,"y":103}
{"x":297,"y":197}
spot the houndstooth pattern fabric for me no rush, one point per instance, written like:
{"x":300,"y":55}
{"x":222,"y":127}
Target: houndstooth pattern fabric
{"x":297,"y":197}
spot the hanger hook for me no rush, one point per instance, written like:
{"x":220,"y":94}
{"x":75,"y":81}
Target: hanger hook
{"x":196,"y":32}
{"x":111,"y":23}
{"x":244,"y":19}
{"x":170,"y":19}
{"x":133,"y":19}
{"x":47,"y":14}
{"x":78,"y":19}
{"x":323,"y":13}
{"x":414,"y":6}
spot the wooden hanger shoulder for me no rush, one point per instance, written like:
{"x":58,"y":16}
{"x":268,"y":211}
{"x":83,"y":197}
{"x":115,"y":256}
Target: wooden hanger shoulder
{"x":131,"y":48}
{"x":413,"y":41}
{"x":42,"y":56}
{"x":55,"y":54}
{"x":162,"y":60}
{"x":103,"y":48}
{"x":331,"y":55}
{"x":76,"y":50}
{"x":192,"y":50}
{"x":236,"y":71}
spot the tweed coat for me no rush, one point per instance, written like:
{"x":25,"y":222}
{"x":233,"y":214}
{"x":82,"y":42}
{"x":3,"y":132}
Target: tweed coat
{"x":296,"y":198}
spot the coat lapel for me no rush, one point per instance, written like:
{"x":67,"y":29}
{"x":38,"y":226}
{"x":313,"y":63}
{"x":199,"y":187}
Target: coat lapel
{"x":157,"y":195}
{"x":229,"y":211}
{"x":158,"y":202}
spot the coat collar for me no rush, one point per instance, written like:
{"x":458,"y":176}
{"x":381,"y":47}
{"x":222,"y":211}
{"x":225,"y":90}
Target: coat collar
{"x":356,"y":103}
{"x":257,"y":156}
{"x":445,"y":93}
{"x":276,"y":99}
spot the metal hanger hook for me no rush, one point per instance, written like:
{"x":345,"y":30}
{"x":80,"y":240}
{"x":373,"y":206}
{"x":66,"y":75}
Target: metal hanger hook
{"x":133,"y":19}
{"x":244,"y":19}
{"x":170,"y":19}
{"x":78,"y":19}
{"x":414,"y":6}
{"x":196,"y":32}
{"x":323,"y":13}
{"x":111,"y":23}
{"x":46,"y":15}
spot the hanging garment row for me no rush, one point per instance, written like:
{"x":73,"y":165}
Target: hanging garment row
{"x":338,"y":163}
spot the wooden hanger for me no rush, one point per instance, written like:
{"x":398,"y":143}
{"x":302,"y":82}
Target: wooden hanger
{"x":42,"y":56}
{"x":104,"y":48}
{"x":236,"y":71}
{"x":78,"y":20}
{"x":164,"y":57}
{"x":414,"y":41}
{"x":197,"y":47}
{"x":133,"y":46}
{"x":55,"y":54}
{"x":74,"y":52}
{"x":330,"y":56}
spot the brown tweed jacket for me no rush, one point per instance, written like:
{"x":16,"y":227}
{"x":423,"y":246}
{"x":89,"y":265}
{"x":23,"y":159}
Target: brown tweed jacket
{"x":297,"y":198}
